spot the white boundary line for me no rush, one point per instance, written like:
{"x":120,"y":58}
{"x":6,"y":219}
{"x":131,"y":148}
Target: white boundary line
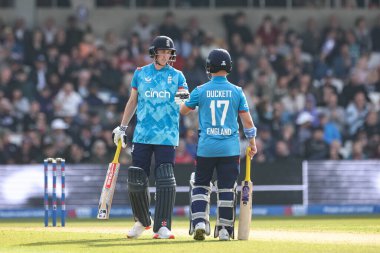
{"x":259,"y":188}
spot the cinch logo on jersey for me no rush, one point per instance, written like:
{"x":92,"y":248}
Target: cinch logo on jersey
{"x":157,"y":94}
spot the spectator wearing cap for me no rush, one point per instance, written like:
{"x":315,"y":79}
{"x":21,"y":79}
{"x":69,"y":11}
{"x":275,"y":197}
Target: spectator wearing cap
{"x":58,"y":137}
{"x":304,"y":130}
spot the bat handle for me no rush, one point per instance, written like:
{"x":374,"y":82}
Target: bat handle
{"x":247,"y":165}
{"x":117,"y":153}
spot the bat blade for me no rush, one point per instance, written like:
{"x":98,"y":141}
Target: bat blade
{"x":245,"y":210}
{"x":109,"y":185}
{"x":245,"y":216}
{"x":108,"y":190}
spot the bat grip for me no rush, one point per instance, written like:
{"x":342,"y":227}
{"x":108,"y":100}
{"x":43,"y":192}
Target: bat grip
{"x":117,"y":153}
{"x":247,"y":165}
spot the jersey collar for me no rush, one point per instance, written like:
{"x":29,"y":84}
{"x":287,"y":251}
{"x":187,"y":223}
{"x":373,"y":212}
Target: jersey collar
{"x":219,"y":78}
{"x":154,"y":68}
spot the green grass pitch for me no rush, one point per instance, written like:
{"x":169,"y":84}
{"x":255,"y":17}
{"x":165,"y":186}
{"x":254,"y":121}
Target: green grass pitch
{"x":276,"y":234}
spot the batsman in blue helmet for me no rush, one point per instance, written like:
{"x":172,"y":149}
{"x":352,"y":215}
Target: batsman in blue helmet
{"x":157,"y":91}
{"x":219,"y":104}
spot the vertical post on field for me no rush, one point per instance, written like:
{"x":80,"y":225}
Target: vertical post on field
{"x":54,"y":196}
{"x":46,"y":194}
{"x":63,"y":197}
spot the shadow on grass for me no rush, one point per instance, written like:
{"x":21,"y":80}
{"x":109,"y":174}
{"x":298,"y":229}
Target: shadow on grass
{"x":99,"y":243}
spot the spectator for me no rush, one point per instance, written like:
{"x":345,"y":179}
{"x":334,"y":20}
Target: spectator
{"x":316,"y":148}
{"x":73,"y":33}
{"x":143,"y":28}
{"x":282,"y":151}
{"x":99,"y":153}
{"x":49,"y":30}
{"x":356,"y":113}
{"x":311,"y":37}
{"x":334,"y":151}
{"x":362,"y":34}
{"x":330,"y":130}
{"x":169,"y":28}
{"x":267,"y":31}
{"x":67,"y":101}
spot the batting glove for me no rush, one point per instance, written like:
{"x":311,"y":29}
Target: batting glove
{"x":119,"y":133}
{"x":181,"y":97}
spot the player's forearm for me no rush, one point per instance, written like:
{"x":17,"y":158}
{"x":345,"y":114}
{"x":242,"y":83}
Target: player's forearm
{"x":184,"y":110}
{"x":246,"y":120}
{"x":129,"y":111}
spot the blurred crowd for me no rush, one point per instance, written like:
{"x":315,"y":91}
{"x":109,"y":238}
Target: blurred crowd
{"x":314,"y":93}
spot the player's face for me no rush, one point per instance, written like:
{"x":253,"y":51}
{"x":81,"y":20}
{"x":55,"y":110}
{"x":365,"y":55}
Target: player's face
{"x":163,"y":56}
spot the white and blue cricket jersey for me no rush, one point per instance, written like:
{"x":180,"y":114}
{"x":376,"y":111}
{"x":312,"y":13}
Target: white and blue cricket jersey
{"x":219,"y":103}
{"x":157,"y":113}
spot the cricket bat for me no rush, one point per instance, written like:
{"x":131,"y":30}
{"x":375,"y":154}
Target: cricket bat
{"x":245,"y":216}
{"x":108,"y":190}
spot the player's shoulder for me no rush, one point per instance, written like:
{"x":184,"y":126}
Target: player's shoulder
{"x":141,"y":71}
{"x":235,"y":87}
{"x":203,"y":86}
{"x":174,"y":70}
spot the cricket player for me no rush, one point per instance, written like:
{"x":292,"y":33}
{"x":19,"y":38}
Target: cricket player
{"x":157,"y":91}
{"x":220,"y":103}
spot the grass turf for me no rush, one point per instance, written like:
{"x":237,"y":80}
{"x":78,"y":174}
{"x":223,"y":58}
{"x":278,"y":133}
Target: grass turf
{"x":277,"y":234}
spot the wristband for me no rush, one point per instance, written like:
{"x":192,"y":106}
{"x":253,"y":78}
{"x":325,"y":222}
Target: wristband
{"x":123,"y":128}
{"x":250,"y":132}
